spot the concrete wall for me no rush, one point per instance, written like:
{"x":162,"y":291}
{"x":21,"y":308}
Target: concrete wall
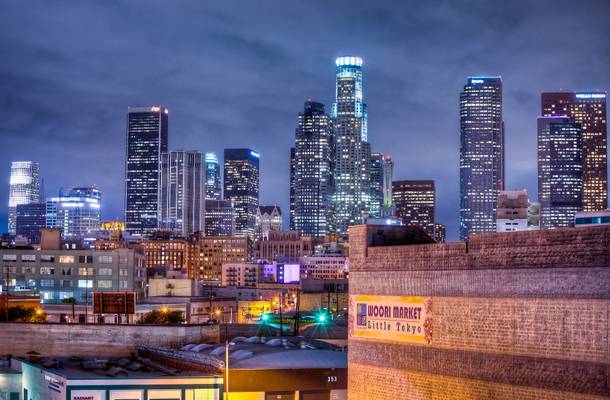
{"x":97,"y":340}
{"x":521,"y":315}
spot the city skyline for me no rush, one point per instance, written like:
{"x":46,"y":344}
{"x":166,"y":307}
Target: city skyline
{"x":406,"y":88}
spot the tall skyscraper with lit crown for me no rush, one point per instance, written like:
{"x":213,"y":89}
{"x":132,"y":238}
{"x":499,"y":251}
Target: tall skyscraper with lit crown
{"x":589,"y":110}
{"x":481,"y":154}
{"x":352,"y":150}
{"x":24,"y":189}
{"x":147,"y":136}
{"x":313,"y":171}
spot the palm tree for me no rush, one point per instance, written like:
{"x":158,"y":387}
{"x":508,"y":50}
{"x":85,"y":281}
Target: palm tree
{"x":70,"y":300}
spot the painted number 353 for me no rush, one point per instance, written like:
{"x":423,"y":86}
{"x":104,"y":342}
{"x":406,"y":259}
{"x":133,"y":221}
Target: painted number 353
{"x":331,"y":379}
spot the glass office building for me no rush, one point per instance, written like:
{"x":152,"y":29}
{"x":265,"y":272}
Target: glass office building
{"x":182,"y":192}
{"x":481,"y":154}
{"x":352,"y":150}
{"x":313,"y":171}
{"x":147,"y":129}
{"x":589,"y":110}
{"x":212,"y":177}
{"x":415,"y":202}
{"x":560,"y":171}
{"x":241,"y":186}
{"x":24,"y":189}
{"x":77,"y":212}
{"x":30,"y":219}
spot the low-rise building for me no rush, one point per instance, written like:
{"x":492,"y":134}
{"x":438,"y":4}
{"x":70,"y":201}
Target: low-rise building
{"x":57,"y":274}
{"x":284,"y":245}
{"x":325,"y":266}
{"x":242,"y":274}
{"x":589,"y":218}
{"x":137,"y":378}
{"x":214,"y":251}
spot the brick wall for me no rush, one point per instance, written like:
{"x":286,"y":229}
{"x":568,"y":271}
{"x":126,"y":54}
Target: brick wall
{"x":514,"y":315}
{"x":97,"y":340}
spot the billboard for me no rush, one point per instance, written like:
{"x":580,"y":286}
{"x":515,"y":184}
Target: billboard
{"x":114,"y":303}
{"x":391,"y":318}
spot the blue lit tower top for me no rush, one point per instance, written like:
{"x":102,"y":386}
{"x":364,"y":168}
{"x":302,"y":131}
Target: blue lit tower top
{"x":348,"y":92}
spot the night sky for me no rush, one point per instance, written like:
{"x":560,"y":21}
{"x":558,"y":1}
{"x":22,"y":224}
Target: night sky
{"x":235,"y":74}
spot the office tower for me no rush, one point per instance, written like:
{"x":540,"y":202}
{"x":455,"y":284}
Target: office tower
{"x":24,"y":188}
{"x":219,"y":218}
{"x":30,"y":219}
{"x":292,"y":188}
{"x":313,"y":176}
{"x":268,"y":218}
{"x":512,"y":211}
{"x":481,"y":154}
{"x":415,"y":203}
{"x":440,"y":235}
{"x":241,"y":186}
{"x":146,"y":141}
{"x":77,"y":212}
{"x":560,"y":188}
{"x":352,"y":150}
{"x":377,"y":179}
{"x":387,"y":209}
{"x":212,"y":177}
{"x":182,"y":192}
{"x":589,"y":110}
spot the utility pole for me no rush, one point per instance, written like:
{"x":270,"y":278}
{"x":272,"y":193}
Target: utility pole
{"x":297,"y":315}
{"x":227,"y":369}
{"x":281,"y":324}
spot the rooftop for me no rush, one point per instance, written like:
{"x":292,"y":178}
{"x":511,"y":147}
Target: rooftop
{"x":123,"y":368}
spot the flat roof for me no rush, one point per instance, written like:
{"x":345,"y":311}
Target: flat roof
{"x":110,"y":368}
{"x":274,"y":353}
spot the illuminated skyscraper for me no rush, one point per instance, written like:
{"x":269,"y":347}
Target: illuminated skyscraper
{"x":219,"y":218}
{"x":352,"y":150}
{"x":415,"y":203}
{"x":24,"y":188}
{"x":560,"y":168}
{"x":382,"y":170}
{"x":376,"y":169}
{"x":387,"y":209}
{"x":589,"y":110}
{"x":31,"y":218}
{"x":313,"y":177}
{"x":481,"y":154}
{"x":182,"y":192}
{"x":146,"y":141}
{"x":77,"y":212}
{"x":241,"y":186}
{"x":292,"y":189}
{"x":212,"y":177}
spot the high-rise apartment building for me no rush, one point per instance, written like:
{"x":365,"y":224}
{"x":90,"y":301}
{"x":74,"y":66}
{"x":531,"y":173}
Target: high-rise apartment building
{"x":352,"y":150}
{"x":24,"y":188}
{"x":215,"y":251}
{"x":30,"y":219}
{"x":147,"y":129}
{"x":560,"y":171}
{"x":219,"y":218}
{"x":589,"y":110}
{"x":313,"y":171}
{"x":241,"y":174}
{"x":212,"y":177}
{"x":481,"y":154}
{"x":415,"y":203}
{"x":77,"y":212}
{"x":268,"y":218}
{"x":182,"y":192}
{"x":292,"y":188}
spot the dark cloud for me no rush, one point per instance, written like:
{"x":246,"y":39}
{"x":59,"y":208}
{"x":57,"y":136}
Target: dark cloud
{"x":236,"y":74}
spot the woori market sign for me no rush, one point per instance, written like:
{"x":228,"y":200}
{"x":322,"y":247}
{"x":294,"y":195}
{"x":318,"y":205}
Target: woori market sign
{"x":393,"y":318}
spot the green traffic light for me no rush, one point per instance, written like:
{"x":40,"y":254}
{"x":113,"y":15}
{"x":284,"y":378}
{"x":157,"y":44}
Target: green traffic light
{"x":265,"y":317}
{"x":322,"y":318}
